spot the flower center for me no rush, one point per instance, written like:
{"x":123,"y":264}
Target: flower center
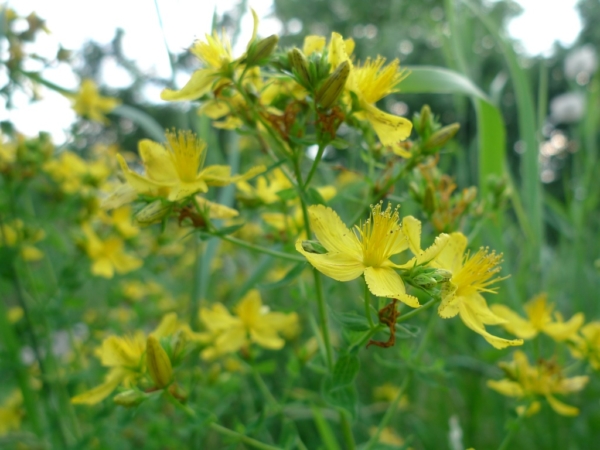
{"x":380,"y":235}
{"x":374,"y":81}
{"x":187,"y":154}
{"x":477,"y":272}
{"x":215,"y":52}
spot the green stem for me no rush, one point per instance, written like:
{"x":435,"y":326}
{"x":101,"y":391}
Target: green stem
{"x":347,"y":431}
{"x":243,"y":438}
{"x":419,"y":310}
{"x":368,"y":306}
{"x":219,"y":428}
{"x":415,"y":358}
{"x":323,"y":319}
{"x":316,"y":162}
{"x":505,"y":444}
{"x":260,"y":249}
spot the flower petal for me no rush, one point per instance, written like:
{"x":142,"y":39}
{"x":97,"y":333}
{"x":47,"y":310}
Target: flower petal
{"x":141,"y":184}
{"x":385,"y":282}
{"x":473,"y":322}
{"x":99,"y":393}
{"x":389,"y":128}
{"x":332,"y":233}
{"x":561,"y":408}
{"x":451,"y":256}
{"x":560,"y":331}
{"x":338,"y":266}
{"x":313,"y":44}
{"x":157,"y":162}
{"x":515,"y":324}
{"x":219,"y":175}
{"x":506,"y":387}
{"x":198,"y":85}
{"x":450,"y":305}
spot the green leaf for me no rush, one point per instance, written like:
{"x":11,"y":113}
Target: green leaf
{"x":287,"y":279}
{"x":345,"y":371}
{"x":352,"y":321}
{"x":315,"y":197}
{"x":324,"y":429}
{"x":287,"y":194}
{"x":491,"y":130}
{"x":146,"y":121}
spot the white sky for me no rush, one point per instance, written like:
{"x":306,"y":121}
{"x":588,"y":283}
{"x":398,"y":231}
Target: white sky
{"x":73,"y":22}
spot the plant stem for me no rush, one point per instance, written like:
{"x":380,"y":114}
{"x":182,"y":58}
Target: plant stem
{"x":260,"y":249}
{"x":512,"y":432}
{"x":323,"y":319}
{"x":368,"y":306}
{"x":315,"y":163}
{"x":419,"y":310}
{"x":347,"y":430}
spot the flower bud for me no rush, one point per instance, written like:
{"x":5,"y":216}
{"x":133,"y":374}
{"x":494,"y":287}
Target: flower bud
{"x":333,"y":86}
{"x":422,"y":120}
{"x":158,"y":363}
{"x":442,"y":136}
{"x":130,"y":398}
{"x":152,"y":213}
{"x":299,"y":66}
{"x":260,"y":50}
{"x":313,"y":247}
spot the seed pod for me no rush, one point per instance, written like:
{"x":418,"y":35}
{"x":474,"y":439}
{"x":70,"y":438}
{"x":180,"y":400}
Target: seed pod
{"x":261,"y":50}
{"x":158,"y":363}
{"x":333,"y":86}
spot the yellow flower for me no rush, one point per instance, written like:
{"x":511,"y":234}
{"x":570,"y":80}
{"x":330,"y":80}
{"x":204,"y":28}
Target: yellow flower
{"x":545,"y":379}
{"x":89,"y":103}
{"x":11,"y":412}
{"x":121,"y":219}
{"x":215,"y":53}
{"x":587,"y":345}
{"x":539,"y":319}
{"x":175,"y":171}
{"x":74,"y":174}
{"x":252,"y":323}
{"x":471,"y":275}
{"x":370,"y":83}
{"x":108,"y":256}
{"x":367,"y":250}
{"x":266,"y":188}
{"x":15,"y":234}
{"x":126,"y":358}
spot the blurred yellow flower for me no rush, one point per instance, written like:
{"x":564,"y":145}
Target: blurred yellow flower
{"x":544,"y":379}
{"x":74,"y":174}
{"x":16,"y":234}
{"x":470,"y":276}
{"x":11,"y":413}
{"x":252,"y":323}
{"x":126,"y":357}
{"x":586,"y":345}
{"x":108,"y":256}
{"x":175,"y":171}
{"x":90,"y":104}
{"x":539,"y":319}
{"x":367,"y":250}
{"x":216,"y":55}
{"x":266,"y":189}
{"x":121,"y":219}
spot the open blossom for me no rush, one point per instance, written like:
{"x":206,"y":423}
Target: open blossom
{"x":90,"y":104}
{"x":108,"y":255}
{"x":545,"y":379}
{"x":371,"y":82}
{"x":539,"y":319}
{"x":252,"y":323}
{"x":586,"y":344}
{"x":176,"y":170}
{"x":367,"y":249}
{"x":471,"y":275}
{"x":216,"y":55}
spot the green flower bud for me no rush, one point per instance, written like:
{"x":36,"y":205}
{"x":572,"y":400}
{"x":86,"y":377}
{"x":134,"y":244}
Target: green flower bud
{"x":299,"y":66}
{"x":313,"y":247}
{"x":261,"y":50}
{"x":333,"y":86}
{"x":441,"y":137}
{"x":152,"y":213}
{"x":130,"y":398}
